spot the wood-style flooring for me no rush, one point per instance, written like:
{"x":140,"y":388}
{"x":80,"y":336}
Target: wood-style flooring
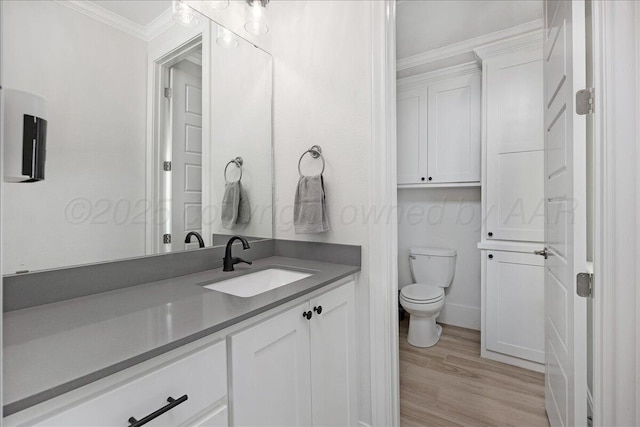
{"x":450,"y":385}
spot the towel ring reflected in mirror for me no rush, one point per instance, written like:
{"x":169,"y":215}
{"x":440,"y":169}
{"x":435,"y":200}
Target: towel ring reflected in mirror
{"x":238,"y":162}
{"x":315,"y":152}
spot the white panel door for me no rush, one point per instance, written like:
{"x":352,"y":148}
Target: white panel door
{"x":515,"y":304}
{"x":270,"y":372}
{"x":412,"y":136}
{"x":333,"y":358}
{"x":186,"y":156}
{"x":454,"y":130}
{"x":565,"y":198}
{"x":515,"y":146}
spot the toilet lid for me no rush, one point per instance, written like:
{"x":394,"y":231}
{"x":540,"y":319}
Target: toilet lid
{"x":418,"y":292}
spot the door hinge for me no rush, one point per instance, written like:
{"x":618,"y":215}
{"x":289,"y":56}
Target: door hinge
{"x":584,"y":284}
{"x":168,"y":93}
{"x":585,"y":101}
{"x":167,"y":166}
{"x":166,"y":238}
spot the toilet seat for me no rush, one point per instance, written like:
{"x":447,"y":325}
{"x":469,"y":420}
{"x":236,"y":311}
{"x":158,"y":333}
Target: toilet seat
{"x":422,"y":294}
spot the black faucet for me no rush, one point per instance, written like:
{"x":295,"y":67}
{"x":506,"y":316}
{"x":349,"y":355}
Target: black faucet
{"x":229,"y":261}
{"x":198,"y":236}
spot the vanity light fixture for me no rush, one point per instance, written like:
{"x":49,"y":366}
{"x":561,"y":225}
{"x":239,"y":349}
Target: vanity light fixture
{"x":226,"y":38}
{"x":184,"y":15}
{"x":218,"y":4}
{"x":257,"y":17}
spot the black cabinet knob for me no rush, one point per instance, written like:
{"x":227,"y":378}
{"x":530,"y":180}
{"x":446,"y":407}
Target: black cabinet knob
{"x":490,"y":256}
{"x":430,"y":178}
{"x":307,"y":315}
{"x":490,"y":234}
{"x":422,"y":178}
{"x":318,"y":309}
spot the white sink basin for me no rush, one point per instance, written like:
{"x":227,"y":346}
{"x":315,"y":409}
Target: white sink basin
{"x":256,"y":283}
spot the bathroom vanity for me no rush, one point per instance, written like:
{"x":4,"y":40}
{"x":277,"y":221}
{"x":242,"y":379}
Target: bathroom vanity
{"x":184,"y":354}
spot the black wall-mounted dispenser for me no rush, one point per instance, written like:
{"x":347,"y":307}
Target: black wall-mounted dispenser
{"x":25,"y":136}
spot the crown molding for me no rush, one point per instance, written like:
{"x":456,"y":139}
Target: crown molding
{"x":99,"y":13}
{"x":442,"y":73}
{"x":532,"y":39}
{"x":467,"y":46}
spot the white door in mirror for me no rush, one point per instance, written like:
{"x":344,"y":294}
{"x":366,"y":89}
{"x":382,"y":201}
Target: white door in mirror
{"x":257,"y":283}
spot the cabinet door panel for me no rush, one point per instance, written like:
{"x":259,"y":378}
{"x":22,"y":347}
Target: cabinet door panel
{"x":515,"y":305}
{"x":270,"y":372}
{"x":333,"y":358}
{"x":515,"y":146}
{"x":515,"y":196}
{"x":454,"y":130}
{"x":412,"y":136}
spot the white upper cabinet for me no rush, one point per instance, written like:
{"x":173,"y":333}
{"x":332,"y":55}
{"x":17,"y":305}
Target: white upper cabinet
{"x":439,"y":130}
{"x":454,"y":130}
{"x":514,"y":129}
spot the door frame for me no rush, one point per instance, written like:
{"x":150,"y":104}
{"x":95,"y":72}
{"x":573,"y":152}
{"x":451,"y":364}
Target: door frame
{"x":616,"y":289}
{"x":162,"y":55}
{"x":383,"y":234}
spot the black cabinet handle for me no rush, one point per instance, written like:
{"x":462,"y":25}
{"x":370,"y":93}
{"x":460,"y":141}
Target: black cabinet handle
{"x":422,"y":178}
{"x":430,"y":178}
{"x":490,"y":234}
{"x":318,"y":309}
{"x":172,"y":404}
{"x":307,"y":315}
{"x":490,"y":256}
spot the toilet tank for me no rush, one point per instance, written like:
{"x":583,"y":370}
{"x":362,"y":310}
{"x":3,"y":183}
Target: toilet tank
{"x":432,"y":266}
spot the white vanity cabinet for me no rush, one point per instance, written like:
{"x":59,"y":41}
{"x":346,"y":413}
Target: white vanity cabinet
{"x":200,"y":374}
{"x":298,"y":367}
{"x":438,"y":128}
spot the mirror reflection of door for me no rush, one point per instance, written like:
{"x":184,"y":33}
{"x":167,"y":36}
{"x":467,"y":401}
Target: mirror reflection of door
{"x":185,"y":177}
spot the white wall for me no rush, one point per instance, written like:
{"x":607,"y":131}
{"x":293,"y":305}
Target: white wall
{"x":445,"y":218}
{"x":93,"y":78}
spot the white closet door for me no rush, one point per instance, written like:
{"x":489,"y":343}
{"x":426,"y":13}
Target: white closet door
{"x":515,"y":147}
{"x":270,"y":372}
{"x":454,"y":130}
{"x":333,"y":358}
{"x":412,"y":136}
{"x":515,"y":304}
{"x":186,"y":155}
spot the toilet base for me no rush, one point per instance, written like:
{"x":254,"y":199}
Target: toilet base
{"x":423,"y":331}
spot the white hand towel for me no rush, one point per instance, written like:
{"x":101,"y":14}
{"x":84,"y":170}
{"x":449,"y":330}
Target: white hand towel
{"x":309,"y":209}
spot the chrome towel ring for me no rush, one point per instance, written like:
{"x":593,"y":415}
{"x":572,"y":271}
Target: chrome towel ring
{"x":238,"y":162}
{"x":315,"y":152}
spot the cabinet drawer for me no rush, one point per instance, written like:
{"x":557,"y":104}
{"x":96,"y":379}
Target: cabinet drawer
{"x":201,"y":375}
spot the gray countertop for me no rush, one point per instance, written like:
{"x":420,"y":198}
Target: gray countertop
{"x":54,"y":348}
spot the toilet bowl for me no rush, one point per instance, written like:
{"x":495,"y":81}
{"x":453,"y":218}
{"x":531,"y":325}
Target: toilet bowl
{"x":432,"y":269}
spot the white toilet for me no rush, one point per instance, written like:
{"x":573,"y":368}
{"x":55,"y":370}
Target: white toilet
{"x":432,"y":270}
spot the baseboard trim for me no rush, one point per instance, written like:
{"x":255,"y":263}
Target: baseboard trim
{"x":460,"y":315}
{"x":514,"y":361}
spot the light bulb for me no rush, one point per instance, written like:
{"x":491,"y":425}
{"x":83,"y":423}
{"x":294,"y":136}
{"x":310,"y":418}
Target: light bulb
{"x":184,"y":15}
{"x":226,"y":38}
{"x":257,"y":17}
